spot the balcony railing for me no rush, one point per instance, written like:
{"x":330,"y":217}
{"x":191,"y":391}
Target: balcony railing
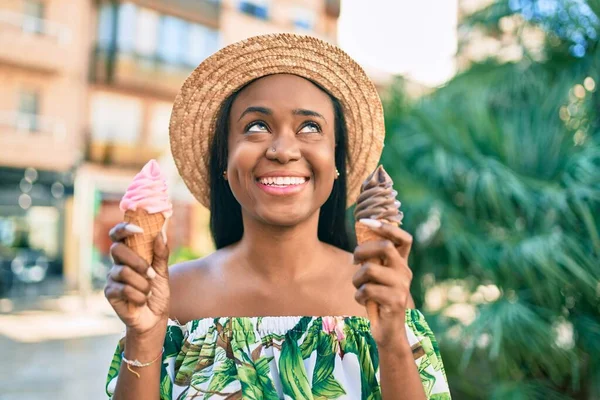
{"x":23,"y":123}
{"x":32,"y":42}
{"x":33,"y":25}
{"x":28,"y":140}
{"x":135,"y":71}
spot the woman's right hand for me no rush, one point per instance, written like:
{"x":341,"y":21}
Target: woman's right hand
{"x":139,"y":293}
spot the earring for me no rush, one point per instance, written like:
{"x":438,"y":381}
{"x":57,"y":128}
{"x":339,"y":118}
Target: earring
{"x":337,"y":173}
{"x":225,"y":175}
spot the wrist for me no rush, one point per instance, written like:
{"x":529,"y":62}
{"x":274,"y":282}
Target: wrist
{"x":147,"y":344}
{"x":396,"y":347}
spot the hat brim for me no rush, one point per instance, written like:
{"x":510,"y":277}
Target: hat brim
{"x":198,"y":103}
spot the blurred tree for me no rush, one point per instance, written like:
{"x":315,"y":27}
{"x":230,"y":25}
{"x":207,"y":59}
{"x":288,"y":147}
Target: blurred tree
{"x":499,"y":175}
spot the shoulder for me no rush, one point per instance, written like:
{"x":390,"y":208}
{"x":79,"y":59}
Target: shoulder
{"x":340,"y":255}
{"x":190,"y":283}
{"x":342,"y":258}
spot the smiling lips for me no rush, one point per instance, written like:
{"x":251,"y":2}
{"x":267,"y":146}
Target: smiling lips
{"x":282,"y":181}
{"x":282,"y":185}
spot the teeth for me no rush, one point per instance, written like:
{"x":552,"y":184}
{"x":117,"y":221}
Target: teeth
{"x":283,"y":181}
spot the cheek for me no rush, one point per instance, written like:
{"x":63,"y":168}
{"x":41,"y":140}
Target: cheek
{"x":242,"y":159}
{"x":322,"y":160}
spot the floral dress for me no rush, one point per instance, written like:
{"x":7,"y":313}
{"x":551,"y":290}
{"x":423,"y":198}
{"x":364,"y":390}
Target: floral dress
{"x":284,"y":358}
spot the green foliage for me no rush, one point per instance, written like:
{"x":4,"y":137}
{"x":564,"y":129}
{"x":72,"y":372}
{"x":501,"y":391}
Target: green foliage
{"x":182,"y":254}
{"x":499,"y":176}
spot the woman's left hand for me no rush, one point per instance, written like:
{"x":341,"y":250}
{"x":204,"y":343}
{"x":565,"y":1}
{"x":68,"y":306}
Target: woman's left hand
{"x":386,"y":281}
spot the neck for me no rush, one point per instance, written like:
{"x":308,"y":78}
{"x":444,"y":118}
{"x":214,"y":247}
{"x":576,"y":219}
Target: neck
{"x":281,"y":252}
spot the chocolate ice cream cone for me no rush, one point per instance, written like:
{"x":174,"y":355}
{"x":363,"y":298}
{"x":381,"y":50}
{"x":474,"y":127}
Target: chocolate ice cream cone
{"x":365,"y":234}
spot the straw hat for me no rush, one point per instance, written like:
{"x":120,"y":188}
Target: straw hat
{"x":198,"y":103}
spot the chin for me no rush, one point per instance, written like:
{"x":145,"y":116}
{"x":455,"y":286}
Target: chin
{"x":283,"y":216}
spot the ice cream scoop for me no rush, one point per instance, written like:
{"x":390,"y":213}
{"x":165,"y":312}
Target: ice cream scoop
{"x":146,"y":204}
{"x":377,"y":200}
{"x":148,"y":191}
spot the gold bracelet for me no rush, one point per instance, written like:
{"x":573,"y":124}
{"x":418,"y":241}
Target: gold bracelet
{"x":137,"y":363}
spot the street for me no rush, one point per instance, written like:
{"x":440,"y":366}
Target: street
{"x":60,"y":350}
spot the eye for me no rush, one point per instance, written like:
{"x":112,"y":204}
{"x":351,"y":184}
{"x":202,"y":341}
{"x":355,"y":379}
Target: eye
{"x":310,"y":127}
{"x":257,"y":126}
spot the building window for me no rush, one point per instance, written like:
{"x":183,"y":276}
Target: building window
{"x":150,"y":35}
{"x":159,"y":125}
{"x":201,"y":43}
{"x":116,"y":118}
{"x":172,"y":39}
{"x":33,"y":20}
{"x":256,"y":8}
{"x":303,"y":18}
{"x":28,"y":112}
{"x":126,"y":27}
{"x":146,"y":32}
{"x":106,"y":22}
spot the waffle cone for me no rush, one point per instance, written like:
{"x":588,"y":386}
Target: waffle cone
{"x":143,"y":243}
{"x":365,"y":234}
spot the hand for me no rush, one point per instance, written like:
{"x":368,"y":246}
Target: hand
{"x":385,"y":281}
{"x":139,"y":293}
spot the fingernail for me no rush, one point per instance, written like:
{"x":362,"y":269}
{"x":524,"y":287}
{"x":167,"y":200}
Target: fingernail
{"x":133,"y":228}
{"x":397,"y":204}
{"x":151,"y":273}
{"x":149,"y":294}
{"x":164,"y":232}
{"x":371,"y":223}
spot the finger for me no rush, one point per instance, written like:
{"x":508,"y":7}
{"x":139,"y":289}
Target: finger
{"x":160,"y":262}
{"x":401,"y":239}
{"x":383,"y":295}
{"x":126,"y":275}
{"x":123,"y":255}
{"x":123,"y":230}
{"x":373,"y":273}
{"x":120,"y":291}
{"x":378,"y":249}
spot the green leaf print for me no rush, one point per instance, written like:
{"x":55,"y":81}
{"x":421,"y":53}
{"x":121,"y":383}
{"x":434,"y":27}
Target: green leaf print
{"x":369,"y":385}
{"x":292,"y":372}
{"x":310,"y":341}
{"x":173,"y":339}
{"x":328,"y":388}
{"x":199,"y":379}
{"x":166,"y":387}
{"x":243,"y":332}
{"x":115,"y":364}
{"x":325,"y":359}
{"x":428,"y":381}
{"x":262,"y":371}
{"x":324,"y":384}
{"x":192,"y":358}
{"x":440,"y":396}
{"x":249,"y":380}
{"x":223,"y":375}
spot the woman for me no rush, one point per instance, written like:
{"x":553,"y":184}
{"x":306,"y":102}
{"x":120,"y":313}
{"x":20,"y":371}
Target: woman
{"x":275,"y":135}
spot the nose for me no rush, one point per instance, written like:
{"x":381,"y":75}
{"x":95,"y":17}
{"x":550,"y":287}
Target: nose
{"x":284,"y":148}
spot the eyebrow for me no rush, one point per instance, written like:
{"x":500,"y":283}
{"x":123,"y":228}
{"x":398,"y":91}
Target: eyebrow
{"x":268,"y":111}
{"x":308,"y":113}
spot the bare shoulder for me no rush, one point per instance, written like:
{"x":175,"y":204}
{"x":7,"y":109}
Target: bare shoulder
{"x":190,"y":284}
{"x":343,"y":258}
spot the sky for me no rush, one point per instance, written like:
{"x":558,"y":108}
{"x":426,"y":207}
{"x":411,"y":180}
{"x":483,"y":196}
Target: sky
{"x":416,"y":38}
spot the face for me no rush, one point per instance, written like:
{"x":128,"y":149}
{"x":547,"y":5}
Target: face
{"x":281,"y":163}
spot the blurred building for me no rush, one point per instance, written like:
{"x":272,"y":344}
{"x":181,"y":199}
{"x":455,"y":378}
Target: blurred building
{"x":86,"y":95}
{"x":43,"y":91}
